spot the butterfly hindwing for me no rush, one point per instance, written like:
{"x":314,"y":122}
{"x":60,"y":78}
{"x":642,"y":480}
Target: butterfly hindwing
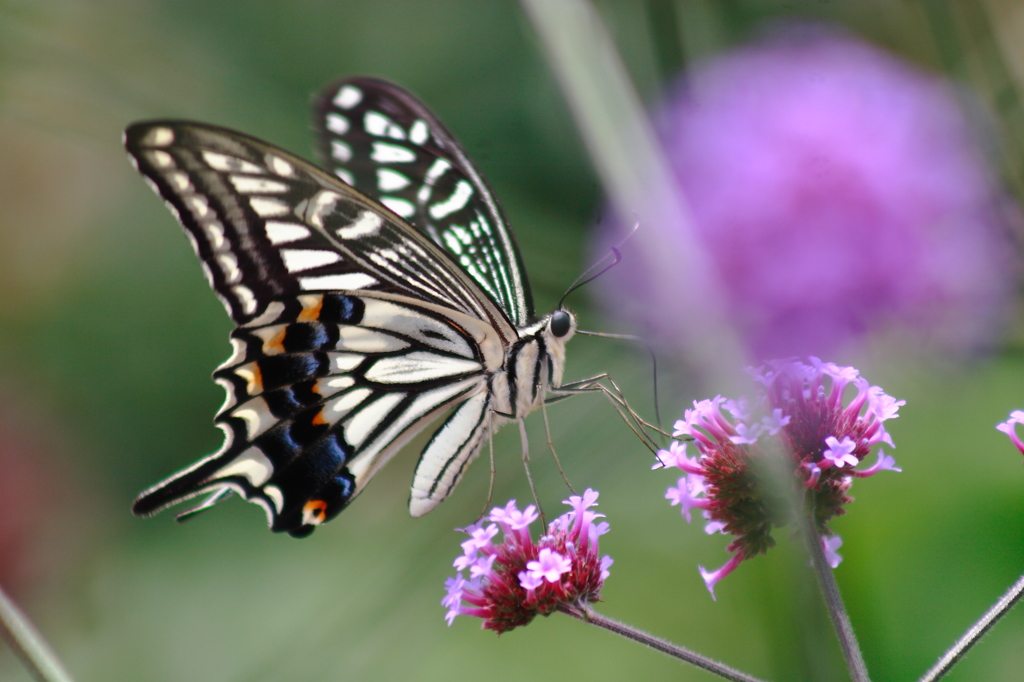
{"x":322,"y":396}
{"x":450,"y":450}
{"x":386,"y":143}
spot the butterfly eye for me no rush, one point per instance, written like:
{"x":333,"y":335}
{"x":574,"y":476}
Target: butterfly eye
{"x":560,"y":323}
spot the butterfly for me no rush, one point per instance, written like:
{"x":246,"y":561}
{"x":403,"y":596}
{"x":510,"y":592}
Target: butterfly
{"x":370,"y":296}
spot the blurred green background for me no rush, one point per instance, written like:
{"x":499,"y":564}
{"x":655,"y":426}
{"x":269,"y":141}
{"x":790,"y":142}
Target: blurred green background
{"x":108,"y":335}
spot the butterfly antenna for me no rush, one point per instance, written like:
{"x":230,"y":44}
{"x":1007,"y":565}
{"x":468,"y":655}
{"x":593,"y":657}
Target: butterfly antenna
{"x":650,"y":351}
{"x":586,"y":277}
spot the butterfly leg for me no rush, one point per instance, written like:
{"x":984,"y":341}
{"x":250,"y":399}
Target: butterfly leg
{"x":595,"y":384}
{"x":494,"y":474}
{"x":526,"y":465}
{"x":551,"y":446}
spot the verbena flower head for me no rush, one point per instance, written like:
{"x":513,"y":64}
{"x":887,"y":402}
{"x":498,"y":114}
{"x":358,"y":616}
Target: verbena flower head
{"x":839,"y":192}
{"x":513,"y":581}
{"x":1009,"y":428}
{"x":816,"y":419}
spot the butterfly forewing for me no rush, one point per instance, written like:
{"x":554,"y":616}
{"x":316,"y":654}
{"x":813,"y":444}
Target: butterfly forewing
{"x":355,"y":331}
{"x":267,"y":224}
{"x":383,"y":141}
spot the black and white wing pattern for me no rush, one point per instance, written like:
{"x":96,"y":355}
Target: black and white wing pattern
{"x":382,"y":140}
{"x":354,"y":330}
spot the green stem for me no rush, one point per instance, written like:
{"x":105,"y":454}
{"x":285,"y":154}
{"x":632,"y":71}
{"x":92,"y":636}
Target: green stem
{"x":639,"y":182}
{"x":28,"y":645}
{"x":588,"y":615}
{"x":975,"y":632}
{"x":834,"y":601}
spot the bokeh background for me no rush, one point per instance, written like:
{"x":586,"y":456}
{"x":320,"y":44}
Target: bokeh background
{"x":108,"y":335}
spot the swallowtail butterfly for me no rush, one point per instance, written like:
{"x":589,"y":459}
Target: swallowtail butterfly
{"x":370,"y":298}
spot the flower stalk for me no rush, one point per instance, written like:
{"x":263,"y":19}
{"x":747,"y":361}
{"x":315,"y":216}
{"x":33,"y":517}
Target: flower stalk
{"x":836,"y":609}
{"x":1003,"y":605}
{"x":975,"y":632}
{"x":588,"y":615}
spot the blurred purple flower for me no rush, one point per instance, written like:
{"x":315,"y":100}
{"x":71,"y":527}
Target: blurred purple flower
{"x":839,"y":191}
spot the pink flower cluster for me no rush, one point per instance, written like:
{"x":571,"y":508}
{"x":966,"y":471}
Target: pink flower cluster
{"x":800,"y":419}
{"x":512,"y":582}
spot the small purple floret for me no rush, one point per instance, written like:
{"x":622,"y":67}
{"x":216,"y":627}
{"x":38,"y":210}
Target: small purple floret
{"x":840,"y":453}
{"x":830,"y":545}
{"x":711,"y":578}
{"x":1009,"y":428}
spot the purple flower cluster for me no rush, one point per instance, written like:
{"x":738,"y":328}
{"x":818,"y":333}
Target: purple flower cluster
{"x":801,"y":419}
{"x":512,"y":582}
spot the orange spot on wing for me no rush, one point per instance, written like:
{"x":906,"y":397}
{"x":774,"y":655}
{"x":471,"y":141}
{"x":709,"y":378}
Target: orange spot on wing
{"x":253,"y":377}
{"x":276,"y":343}
{"x":319,"y":418}
{"x":314,"y":511}
{"x":311,"y":313}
